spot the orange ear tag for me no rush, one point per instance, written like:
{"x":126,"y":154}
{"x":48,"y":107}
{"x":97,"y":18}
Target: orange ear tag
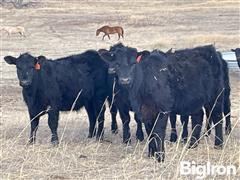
{"x":37,"y":66}
{"x":139,"y":58}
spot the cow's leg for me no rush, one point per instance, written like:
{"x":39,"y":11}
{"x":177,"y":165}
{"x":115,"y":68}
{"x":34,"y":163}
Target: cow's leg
{"x":227,"y":111}
{"x":118,"y":36}
{"x":53,"y":116}
{"x":173,"y":118}
{"x":156,"y":144}
{"x":108,"y":36}
{"x":100,"y":111}
{"x":92,"y":119}
{"x":139,"y":132}
{"x":125,"y":117}
{"x":217,"y":120}
{"x":113,"y":111}
{"x":184,"y":121}
{"x":197,"y":120}
{"x":148,"y":126}
{"x":34,"y":126}
{"x":114,"y":126}
{"x":208,"y":121}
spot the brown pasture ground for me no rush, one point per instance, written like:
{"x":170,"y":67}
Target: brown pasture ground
{"x":59,"y":28}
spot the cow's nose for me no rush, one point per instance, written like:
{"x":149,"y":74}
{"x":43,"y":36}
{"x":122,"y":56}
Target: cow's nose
{"x":24,"y":83}
{"x":124,"y":80}
{"x":111,"y":70}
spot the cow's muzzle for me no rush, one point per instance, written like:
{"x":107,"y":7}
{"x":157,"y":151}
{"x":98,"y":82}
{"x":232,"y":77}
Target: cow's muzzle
{"x":25,"y":83}
{"x":111,"y":70}
{"x":125,"y":81}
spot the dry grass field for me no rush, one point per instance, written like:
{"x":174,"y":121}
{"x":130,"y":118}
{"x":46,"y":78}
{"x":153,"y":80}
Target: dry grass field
{"x":63,"y":27}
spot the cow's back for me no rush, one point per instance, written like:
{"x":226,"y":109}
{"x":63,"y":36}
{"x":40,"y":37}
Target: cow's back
{"x":73,"y":79}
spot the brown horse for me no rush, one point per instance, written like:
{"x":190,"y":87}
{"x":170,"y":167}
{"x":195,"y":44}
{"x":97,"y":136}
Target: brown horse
{"x":110,"y":30}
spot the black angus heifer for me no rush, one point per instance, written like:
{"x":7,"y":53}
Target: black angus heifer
{"x":112,"y":106}
{"x":64,"y":84}
{"x":110,"y":88}
{"x":182,"y":84}
{"x":121,"y":99}
{"x":226,"y":101}
{"x":237,"y":52}
{"x":173,"y":116}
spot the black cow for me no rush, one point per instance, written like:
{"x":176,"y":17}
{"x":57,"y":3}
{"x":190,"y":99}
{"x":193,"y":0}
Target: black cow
{"x":183,"y":84}
{"x":62,"y":85}
{"x":121,"y":99}
{"x":237,"y":52}
{"x":173,"y":116}
{"x":226,"y":105}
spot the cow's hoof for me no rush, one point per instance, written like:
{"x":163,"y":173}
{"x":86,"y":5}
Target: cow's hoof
{"x":160,"y":156}
{"x":90,"y":136}
{"x":193,"y":144}
{"x":228,"y":131}
{"x":219,"y":147}
{"x":31,"y":141}
{"x":54,"y":140}
{"x":55,"y":143}
{"x":99,"y":138}
{"x":127,"y":141}
{"x":114,"y":131}
{"x":184,"y":140}
{"x":208,"y":133}
{"x":173,"y":137}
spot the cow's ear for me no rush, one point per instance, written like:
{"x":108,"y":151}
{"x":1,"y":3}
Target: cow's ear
{"x":141,"y":55}
{"x":233,"y":50}
{"x":144,"y":53}
{"x":106,"y":56}
{"x":10,"y":60}
{"x":41,"y":58}
{"x":102,"y":51}
{"x":169,"y":51}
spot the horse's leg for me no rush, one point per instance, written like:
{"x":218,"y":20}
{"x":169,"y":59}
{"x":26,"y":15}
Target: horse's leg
{"x":118,"y":36}
{"x":103,"y":36}
{"x":108,"y":36}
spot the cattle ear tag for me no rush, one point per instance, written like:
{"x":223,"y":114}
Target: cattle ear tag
{"x":139,"y":58}
{"x":37,"y":66}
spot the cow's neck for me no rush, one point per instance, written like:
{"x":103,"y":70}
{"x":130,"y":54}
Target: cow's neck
{"x":29,"y":93}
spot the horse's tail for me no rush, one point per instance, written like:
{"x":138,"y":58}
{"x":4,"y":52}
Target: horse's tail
{"x":122,"y":31}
